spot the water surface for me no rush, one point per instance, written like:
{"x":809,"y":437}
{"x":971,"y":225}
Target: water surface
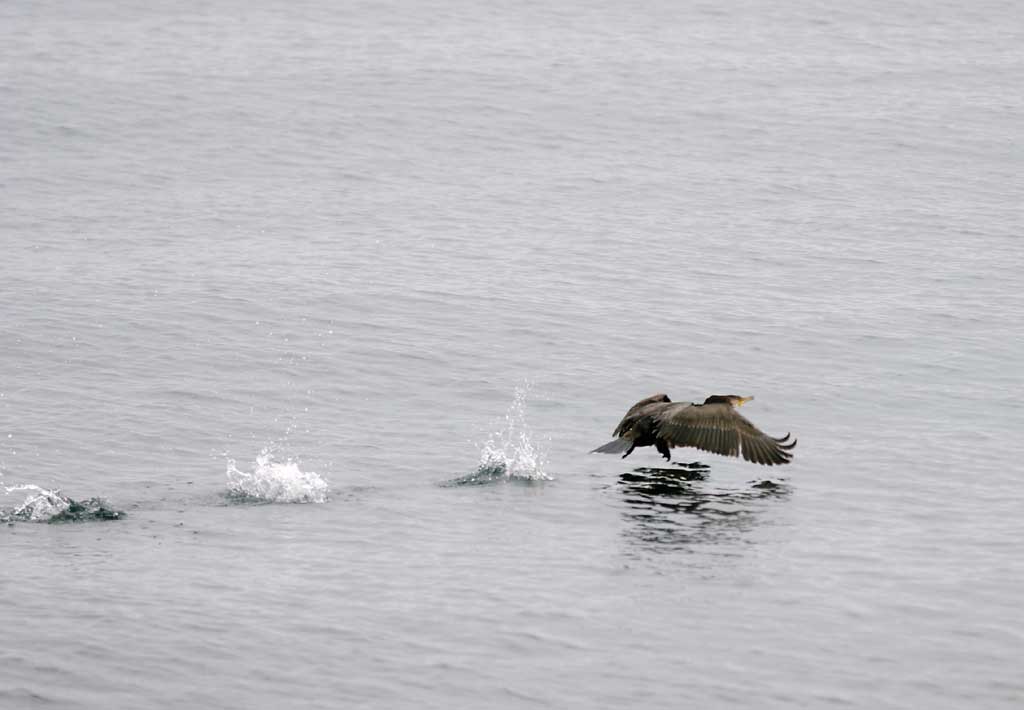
{"x":414,"y":260}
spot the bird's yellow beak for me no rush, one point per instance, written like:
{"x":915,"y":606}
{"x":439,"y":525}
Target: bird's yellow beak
{"x":743,"y":400}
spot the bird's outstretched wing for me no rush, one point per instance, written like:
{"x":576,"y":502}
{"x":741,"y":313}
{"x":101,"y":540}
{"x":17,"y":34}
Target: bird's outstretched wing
{"x":722,"y":430}
{"x":636,"y":411}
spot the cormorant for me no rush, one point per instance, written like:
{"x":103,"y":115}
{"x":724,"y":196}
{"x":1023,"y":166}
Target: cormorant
{"x":713,"y":426}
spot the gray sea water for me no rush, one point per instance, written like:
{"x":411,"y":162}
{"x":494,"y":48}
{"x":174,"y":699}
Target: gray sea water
{"x":332,"y":299}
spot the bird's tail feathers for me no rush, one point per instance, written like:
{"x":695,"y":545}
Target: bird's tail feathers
{"x":615,"y":446}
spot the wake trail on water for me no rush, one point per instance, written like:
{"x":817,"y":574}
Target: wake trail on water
{"x":511,"y":453}
{"x":275,"y":481}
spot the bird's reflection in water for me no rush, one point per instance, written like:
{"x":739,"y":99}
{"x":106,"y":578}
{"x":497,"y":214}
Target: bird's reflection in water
{"x":676,"y":508}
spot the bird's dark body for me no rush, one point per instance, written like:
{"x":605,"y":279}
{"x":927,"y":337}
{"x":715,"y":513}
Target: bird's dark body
{"x":639,"y":425}
{"x":713,"y":426}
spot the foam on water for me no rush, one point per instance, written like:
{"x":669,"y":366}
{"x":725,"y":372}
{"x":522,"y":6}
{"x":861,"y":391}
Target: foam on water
{"x":274,"y":481}
{"x":510,"y":453}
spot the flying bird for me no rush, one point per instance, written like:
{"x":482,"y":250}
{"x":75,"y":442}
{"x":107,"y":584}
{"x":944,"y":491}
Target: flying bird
{"x":713,"y":426}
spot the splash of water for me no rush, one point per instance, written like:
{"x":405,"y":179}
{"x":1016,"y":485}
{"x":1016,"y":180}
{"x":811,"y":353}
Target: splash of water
{"x":40,"y":506}
{"x":510,"y":453}
{"x":52,"y":506}
{"x":274,"y":481}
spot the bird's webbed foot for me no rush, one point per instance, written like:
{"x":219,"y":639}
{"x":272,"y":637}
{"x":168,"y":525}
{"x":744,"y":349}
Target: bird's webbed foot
{"x":664,"y":450}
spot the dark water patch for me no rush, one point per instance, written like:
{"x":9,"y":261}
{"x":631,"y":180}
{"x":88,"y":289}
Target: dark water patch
{"x":238,"y":498}
{"x":494,"y":472}
{"x":669,"y":508}
{"x":770,"y":484}
{"x":695,"y":471}
{"x":91,"y":509}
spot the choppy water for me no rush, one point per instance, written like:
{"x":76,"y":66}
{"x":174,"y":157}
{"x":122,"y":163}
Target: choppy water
{"x":364,"y":255}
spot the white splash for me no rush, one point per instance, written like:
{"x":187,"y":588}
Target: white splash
{"x":511,"y":453}
{"x":41,"y":506}
{"x":50,"y":506}
{"x":276,"y":481}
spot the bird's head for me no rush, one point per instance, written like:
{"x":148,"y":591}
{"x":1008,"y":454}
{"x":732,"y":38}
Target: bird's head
{"x":733,"y":399}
